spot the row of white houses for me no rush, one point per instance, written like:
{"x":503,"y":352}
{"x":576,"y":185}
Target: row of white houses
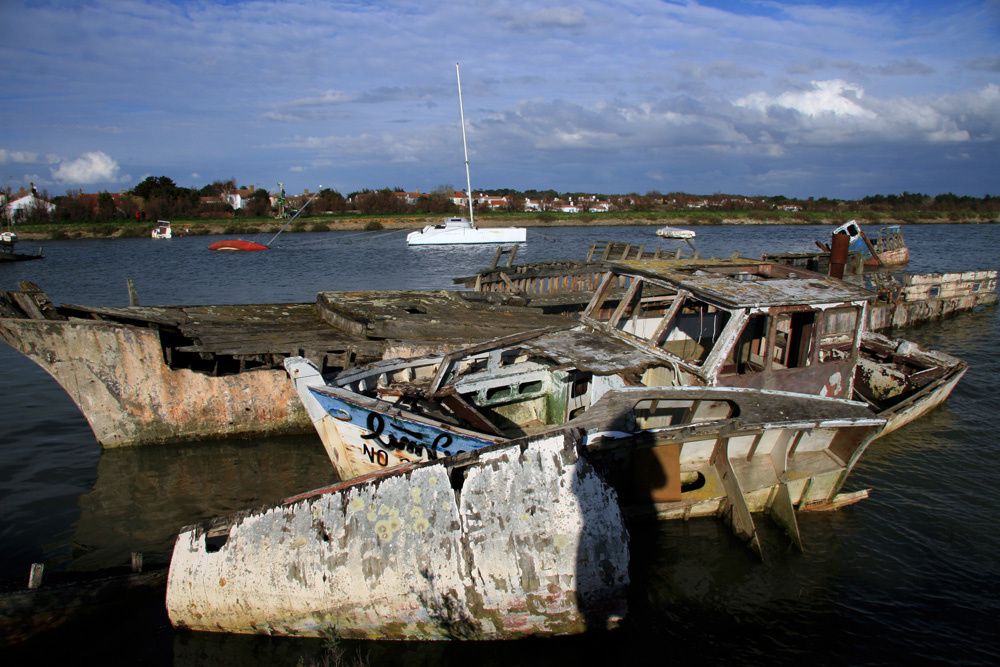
{"x":494,"y":203}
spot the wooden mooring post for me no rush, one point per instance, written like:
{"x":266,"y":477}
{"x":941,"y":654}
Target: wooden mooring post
{"x":35,"y":575}
{"x":133,"y":293}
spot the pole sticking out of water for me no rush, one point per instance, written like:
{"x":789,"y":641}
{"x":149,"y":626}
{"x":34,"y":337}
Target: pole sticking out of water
{"x":292,"y":219}
{"x":465,"y":148}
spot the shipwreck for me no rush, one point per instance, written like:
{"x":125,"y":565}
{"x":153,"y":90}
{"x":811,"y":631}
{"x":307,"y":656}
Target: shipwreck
{"x":153,"y":374}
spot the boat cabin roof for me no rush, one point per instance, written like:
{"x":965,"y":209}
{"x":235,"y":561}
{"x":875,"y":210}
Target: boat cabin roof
{"x":745,"y":283}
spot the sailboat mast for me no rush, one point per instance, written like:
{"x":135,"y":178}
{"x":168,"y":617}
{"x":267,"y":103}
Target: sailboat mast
{"x":465,"y":148}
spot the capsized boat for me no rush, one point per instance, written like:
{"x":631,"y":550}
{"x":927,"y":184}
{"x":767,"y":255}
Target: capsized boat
{"x":237,"y":245}
{"x":525,"y":537}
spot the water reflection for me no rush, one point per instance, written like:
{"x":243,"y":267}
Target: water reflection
{"x":910,"y":573}
{"x":143,"y":496}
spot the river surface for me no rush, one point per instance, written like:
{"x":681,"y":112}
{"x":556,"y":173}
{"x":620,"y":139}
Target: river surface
{"x":911,"y":575}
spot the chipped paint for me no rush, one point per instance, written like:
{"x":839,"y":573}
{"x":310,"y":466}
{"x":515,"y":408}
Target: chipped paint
{"x":117,"y":377}
{"x":531,"y":544}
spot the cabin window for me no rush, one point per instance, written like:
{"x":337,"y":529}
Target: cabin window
{"x":581,"y":384}
{"x":749,"y":354}
{"x":494,"y":393}
{"x":840,"y":326}
{"x":532,"y":387}
{"x":512,"y":356}
{"x":476,"y":365}
{"x":606,"y":305}
{"x":793,"y":339}
{"x":695,"y":329}
{"x":656,"y":413}
{"x":642,"y":309}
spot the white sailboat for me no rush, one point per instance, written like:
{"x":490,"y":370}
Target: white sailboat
{"x":455,"y":231}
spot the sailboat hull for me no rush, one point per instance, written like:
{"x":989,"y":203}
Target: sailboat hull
{"x":451,"y":234}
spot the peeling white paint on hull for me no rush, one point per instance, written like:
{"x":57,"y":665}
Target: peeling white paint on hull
{"x":532,"y":543}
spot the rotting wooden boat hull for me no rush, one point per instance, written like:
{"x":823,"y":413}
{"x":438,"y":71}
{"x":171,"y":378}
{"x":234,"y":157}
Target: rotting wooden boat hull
{"x":524,"y":538}
{"x":117,"y":377}
{"x":901,"y":381}
{"x":364,"y":431}
{"x":532,"y":543}
{"x":148,"y":375}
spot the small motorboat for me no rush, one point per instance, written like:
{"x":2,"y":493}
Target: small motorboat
{"x":669,"y":232}
{"x":8,"y":239}
{"x":162,"y":230}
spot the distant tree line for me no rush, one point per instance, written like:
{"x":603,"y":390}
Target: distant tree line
{"x":158,"y":197}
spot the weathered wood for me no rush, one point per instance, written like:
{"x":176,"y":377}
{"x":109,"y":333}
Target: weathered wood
{"x":35,"y":575}
{"x":133,"y":293}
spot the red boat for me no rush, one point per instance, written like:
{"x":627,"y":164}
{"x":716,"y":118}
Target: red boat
{"x":237,"y":244}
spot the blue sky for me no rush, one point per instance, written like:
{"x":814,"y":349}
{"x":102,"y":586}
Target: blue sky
{"x":835,"y":99}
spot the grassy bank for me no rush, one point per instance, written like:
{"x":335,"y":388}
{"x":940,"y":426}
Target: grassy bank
{"x":320,"y":223}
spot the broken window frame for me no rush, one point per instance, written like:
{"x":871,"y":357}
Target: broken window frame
{"x":799,"y":341}
{"x":843,"y":343}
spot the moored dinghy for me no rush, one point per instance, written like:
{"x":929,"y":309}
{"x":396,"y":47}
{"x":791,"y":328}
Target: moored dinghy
{"x":669,"y":232}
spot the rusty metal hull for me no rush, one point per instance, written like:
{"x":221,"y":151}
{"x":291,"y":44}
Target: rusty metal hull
{"x":531,"y":542}
{"x":117,"y":377}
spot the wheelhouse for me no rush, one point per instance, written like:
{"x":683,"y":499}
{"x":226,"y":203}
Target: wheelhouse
{"x":735,"y":323}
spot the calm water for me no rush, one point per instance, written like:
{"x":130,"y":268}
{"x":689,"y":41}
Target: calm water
{"x":910,"y":575}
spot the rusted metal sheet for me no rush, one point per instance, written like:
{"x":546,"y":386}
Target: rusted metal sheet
{"x":520,"y":542}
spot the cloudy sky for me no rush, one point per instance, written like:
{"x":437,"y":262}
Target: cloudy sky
{"x":839,"y":99}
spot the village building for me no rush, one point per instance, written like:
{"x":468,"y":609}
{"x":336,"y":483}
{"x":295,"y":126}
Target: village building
{"x":23,"y":202}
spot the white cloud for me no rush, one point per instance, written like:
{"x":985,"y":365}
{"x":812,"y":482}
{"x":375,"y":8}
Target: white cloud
{"x":93,"y":167}
{"x":834,"y":97}
{"x":611,"y":91}
{"x":17,"y":157}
